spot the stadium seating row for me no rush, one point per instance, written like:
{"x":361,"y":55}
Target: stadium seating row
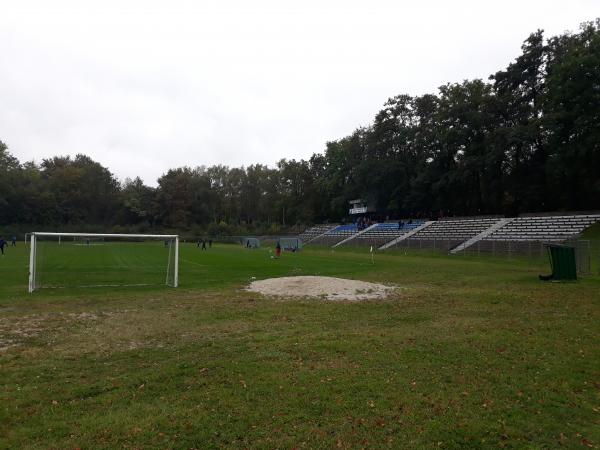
{"x":317,"y":230}
{"x":336,"y":235}
{"x":454,"y":229}
{"x":465,"y":232}
{"x":384,"y":232}
{"x":345,"y":230}
{"x":543,"y":228}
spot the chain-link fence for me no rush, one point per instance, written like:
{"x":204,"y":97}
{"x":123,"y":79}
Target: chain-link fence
{"x":587,"y":252}
{"x":444,"y":245}
{"x":264,"y":241}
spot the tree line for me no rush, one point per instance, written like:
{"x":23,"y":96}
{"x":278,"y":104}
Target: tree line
{"x":525,"y":140}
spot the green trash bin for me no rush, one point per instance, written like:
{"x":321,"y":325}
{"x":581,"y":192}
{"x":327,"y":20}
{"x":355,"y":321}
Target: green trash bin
{"x":562,"y":262}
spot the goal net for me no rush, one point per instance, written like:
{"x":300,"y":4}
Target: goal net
{"x":293,"y":244}
{"x":250,"y":242}
{"x":88,"y":240}
{"x":63,"y":260}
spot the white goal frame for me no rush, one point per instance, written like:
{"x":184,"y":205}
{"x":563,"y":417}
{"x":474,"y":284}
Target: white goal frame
{"x":33,"y":249}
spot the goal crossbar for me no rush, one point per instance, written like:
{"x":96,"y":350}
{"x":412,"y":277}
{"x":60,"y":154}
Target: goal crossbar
{"x":109,"y":235}
{"x":33,"y":249}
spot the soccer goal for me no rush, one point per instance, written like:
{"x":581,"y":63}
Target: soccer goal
{"x":250,"y":242}
{"x":293,"y":244}
{"x":64,"y":260}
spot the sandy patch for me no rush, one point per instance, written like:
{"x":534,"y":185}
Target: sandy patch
{"x":321,"y":287}
{"x":15,"y":331}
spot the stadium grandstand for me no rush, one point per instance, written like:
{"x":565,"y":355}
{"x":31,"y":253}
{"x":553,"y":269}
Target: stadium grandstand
{"x":457,"y":234}
{"x":314,"y":232}
{"x":519,"y":234}
{"x":336,"y":234}
{"x":381,"y":233}
{"x":450,"y":233}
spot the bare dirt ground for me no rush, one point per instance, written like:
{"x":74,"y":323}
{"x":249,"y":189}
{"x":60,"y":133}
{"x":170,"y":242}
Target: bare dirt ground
{"x":328,"y":288}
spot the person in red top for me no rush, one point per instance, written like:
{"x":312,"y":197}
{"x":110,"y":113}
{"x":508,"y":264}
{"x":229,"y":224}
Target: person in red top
{"x":278,"y":250}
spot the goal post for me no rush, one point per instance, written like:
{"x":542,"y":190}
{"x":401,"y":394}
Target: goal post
{"x":250,"y":242}
{"x":291,"y":243}
{"x":63,"y":260}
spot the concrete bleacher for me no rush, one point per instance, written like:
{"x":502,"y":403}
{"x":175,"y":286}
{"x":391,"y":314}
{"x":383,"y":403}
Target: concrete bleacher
{"x":384,"y":232}
{"x":447,"y":234}
{"x":314,"y":231}
{"x":526,"y":232}
{"x":544,"y":228}
{"x":522,"y":233}
{"x":336,"y":234}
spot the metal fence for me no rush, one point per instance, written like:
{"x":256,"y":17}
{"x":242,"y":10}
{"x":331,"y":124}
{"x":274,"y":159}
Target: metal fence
{"x":587,"y":252}
{"x":264,"y":240}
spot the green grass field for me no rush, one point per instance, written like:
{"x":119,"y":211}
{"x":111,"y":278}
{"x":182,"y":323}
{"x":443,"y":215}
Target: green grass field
{"x":470,"y":353}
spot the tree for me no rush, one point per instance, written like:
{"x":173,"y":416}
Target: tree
{"x":137,"y":202}
{"x":9,"y":181}
{"x":572,"y":116}
{"x":521,"y":89}
{"x":82,"y":190}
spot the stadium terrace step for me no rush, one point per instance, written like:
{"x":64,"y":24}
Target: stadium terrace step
{"x":455,"y":235}
{"x":355,"y":235}
{"x":455,"y":230}
{"x":482,"y":235}
{"x":543,"y":228}
{"x":406,"y":235}
{"x":384,"y":232}
{"x":315,"y":232}
{"x":344,"y":229}
{"x":335,"y":234}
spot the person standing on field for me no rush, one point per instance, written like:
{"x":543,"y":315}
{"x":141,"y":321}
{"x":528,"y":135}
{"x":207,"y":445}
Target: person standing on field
{"x":2,"y":244}
{"x":14,"y":241}
{"x":278,"y":250}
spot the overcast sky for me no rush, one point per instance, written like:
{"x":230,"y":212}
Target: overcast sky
{"x":145,"y":86}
